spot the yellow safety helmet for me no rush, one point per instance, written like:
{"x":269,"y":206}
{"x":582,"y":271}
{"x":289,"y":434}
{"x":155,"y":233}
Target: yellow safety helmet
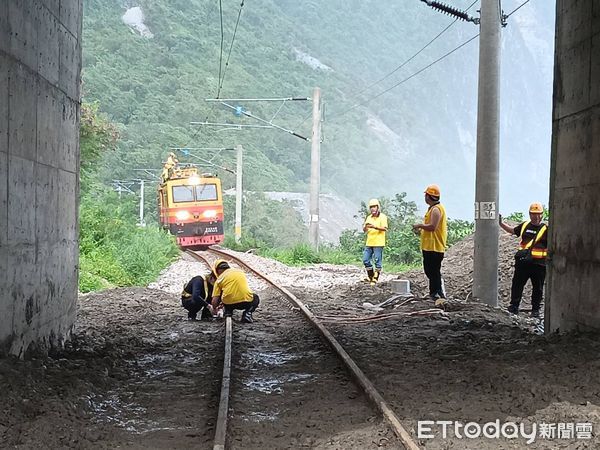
{"x":374,"y":202}
{"x":433,"y":190}
{"x":536,"y":208}
{"x":216,"y":264}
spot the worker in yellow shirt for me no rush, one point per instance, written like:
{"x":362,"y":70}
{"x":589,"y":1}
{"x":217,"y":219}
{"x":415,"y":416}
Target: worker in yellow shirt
{"x":434,"y":233}
{"x":375,"y":226}
{"x":231,"y":290}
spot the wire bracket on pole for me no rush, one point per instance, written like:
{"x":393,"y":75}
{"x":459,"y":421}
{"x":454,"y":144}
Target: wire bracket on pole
{"x":450,"y":10}
{"x":268,"y":124}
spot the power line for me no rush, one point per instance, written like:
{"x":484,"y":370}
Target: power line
{"x":408,"y":78}
{"x":221,"y":56}
{"x":516,"y":9}
{"x":230,"y":47}
{"x":385,"y":77}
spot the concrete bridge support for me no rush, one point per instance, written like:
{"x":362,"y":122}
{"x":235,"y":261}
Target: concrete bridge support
{"x":573,"y":300}
{"x":40,"y":65}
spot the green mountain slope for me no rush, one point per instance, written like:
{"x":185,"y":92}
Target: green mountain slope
{"x":422,"y":132}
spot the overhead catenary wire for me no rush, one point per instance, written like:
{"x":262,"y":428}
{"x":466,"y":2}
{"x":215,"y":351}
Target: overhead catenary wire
{"x":403,"y":64}
{"x":516,"y":9}
{"x":407,"y":78}
{"x":221,"y":55}
{"x":222,"y":79}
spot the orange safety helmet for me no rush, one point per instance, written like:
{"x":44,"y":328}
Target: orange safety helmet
{"x":536,"y":208}
{"x":433,"y":190}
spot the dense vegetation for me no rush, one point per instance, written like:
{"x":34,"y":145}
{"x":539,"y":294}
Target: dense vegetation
{"x":402,"y":244}
{"x":113,"y":250}
{"x":422,"y":132}
{"x":146,"y":91}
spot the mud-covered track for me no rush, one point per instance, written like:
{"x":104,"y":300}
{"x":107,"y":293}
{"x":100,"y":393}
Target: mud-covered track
{"x":371,"y":392}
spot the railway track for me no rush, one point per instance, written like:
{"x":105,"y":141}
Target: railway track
{"x":295,"y":360}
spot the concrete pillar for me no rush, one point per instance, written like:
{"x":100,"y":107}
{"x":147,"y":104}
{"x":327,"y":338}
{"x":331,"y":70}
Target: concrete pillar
{"x":573,"y":300}
{"x":40,"y":65}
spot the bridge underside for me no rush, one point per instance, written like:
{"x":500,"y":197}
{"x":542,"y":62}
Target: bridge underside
{"x":40,"y":61}
{"x":573,"y":300}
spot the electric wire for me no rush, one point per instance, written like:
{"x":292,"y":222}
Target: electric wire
{"x":516,"y":9}
{"x":385,"y":77}
{"x":221,"y":55}
{"x":408,"y":78}
{"x":230,"y":48}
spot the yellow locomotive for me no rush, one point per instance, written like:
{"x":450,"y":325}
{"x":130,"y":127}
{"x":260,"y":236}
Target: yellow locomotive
{"x":191,"y":206}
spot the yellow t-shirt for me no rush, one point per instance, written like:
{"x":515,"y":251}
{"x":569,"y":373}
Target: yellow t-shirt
{"x":233,"y":287}
{"x":376,"y":238}
{"x":435,"y":241}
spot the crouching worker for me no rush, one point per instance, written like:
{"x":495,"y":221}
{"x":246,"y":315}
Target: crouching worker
{"x":196,"y":296}
{"x":232,"y":291}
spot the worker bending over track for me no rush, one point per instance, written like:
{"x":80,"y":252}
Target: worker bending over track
{"x":232,"y":291}
{"x":196,"y":296}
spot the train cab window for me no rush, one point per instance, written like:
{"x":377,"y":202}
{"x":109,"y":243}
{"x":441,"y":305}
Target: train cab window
{"x":206,"y":192}
{"x":183,"y":194}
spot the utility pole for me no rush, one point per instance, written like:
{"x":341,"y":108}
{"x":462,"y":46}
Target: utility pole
{"x":485,"y":261}
{"x":315,"y":171}
{"x":142,"y":223}
{"x":238,"y":194}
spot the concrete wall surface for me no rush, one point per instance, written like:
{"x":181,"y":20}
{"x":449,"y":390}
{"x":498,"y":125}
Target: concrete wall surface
{"x":574,"y":264}
{"x":40,"y":65}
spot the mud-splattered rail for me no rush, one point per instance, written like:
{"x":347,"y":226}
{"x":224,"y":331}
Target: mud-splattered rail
{"x":223,"y":414}
{"x":388,"y":414}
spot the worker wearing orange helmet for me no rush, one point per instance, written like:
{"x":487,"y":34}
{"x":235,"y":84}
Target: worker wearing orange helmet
{"x":530,"y":259}
{"x":434,"y":233}
{"x":375,"y":226}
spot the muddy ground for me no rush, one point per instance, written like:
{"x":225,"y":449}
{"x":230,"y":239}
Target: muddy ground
{"x":137,"y":375}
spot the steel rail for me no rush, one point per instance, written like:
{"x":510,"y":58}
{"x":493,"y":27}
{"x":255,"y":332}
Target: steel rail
{"x":388,"y":414}
{"x":223,"y":415}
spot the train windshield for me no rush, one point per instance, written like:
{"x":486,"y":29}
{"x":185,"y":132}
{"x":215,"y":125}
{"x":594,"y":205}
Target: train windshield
{"x":205,"y":192}
{"x":183,"y":194}
{"x":199,"y":193}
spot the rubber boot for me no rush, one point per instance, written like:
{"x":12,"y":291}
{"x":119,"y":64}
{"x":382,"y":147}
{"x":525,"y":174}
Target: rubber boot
{"x":370,"y":275}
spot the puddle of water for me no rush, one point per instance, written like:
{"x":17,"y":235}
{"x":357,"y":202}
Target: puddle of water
{"x":273,"y":358}
{"x":130,"y":416}
{"x":115,"y":411}
{"x":275,"y":385}
{"x":156,"y":365}
{"x":302,"y":377}
{"x":266,"y":386}
{"x":260,"y":416}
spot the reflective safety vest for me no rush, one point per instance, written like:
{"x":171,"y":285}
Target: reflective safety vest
{"x":536,"y":252}
{"x":185,"y":294}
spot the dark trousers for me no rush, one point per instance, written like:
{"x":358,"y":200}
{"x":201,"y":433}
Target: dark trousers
{"x":248,"y":307}
{"x":432,"y":264}
{"x":193,"y":308}
{"x":525,"y":270}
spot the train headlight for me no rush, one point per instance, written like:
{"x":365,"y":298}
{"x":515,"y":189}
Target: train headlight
{"x":209,"y":214}
{"x":194,"y":180}
{"x":182,"y":215}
